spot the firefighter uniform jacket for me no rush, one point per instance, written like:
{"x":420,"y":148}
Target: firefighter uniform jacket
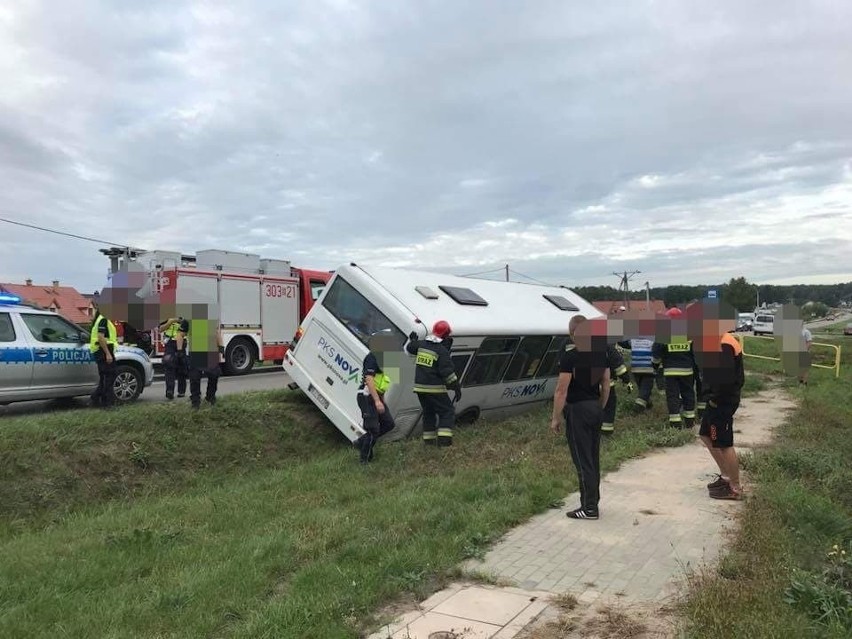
{"x":615,"y":361}
{"x":676,"y":357}
{"x":434,"y":371}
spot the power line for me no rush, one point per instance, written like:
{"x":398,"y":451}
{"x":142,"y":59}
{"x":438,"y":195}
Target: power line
{"x":66,"y":234}
{"x":494,"y":270}
{"x":532,"y":278}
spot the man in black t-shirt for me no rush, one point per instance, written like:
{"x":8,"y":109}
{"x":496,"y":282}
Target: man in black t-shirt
{"x":582,"y":391}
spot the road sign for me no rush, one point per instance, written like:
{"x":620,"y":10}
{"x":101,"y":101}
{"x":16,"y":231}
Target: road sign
{"x":711,"y":294}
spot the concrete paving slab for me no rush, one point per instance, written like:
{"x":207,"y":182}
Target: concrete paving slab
{"x":432,"y":623}
{"x":484,"y":604}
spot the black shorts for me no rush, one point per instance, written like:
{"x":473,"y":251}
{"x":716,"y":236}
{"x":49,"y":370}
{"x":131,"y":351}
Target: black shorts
{"x":717,"y":423}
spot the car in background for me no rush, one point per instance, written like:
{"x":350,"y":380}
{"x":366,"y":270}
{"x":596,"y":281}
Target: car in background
{"x":44,"y":356}
{"x":764,"y":324}
{"x":745,"y":322}
{"x":744,"y":326}
{"x":847,"y":330}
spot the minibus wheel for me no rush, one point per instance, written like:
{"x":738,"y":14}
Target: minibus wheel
{"x":468,"y":415}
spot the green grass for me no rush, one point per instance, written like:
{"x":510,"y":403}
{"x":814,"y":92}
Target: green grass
{"x":255,"y":519}
{"x":783,"y":577}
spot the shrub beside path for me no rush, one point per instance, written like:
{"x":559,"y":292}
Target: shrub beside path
{"x":612,"y":577}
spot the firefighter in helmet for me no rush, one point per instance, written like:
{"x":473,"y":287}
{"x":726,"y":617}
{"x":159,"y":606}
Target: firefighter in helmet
{"x":676,"y":358}
{"x":434,"y":376}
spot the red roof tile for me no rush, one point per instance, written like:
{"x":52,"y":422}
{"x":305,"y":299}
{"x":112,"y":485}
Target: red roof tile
{"x":67,"y":301}
{"x":610,"y":307}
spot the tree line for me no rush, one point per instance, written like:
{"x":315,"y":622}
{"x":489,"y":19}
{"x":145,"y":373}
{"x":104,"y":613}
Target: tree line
{"x":738,"y":292}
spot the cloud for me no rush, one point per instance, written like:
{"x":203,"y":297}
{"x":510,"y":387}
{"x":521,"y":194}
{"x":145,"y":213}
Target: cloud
{"x":693,"y":142}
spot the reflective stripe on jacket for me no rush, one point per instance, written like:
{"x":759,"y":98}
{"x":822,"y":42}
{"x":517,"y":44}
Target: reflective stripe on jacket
{"x":676,"y":357}
{"x":434,"y":371}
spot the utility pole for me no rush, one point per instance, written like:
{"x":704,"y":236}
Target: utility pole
{"x":647,"y":296}
{"x":625,"y":285}
{"x":507,"y":272}
{"x":758,"y":296}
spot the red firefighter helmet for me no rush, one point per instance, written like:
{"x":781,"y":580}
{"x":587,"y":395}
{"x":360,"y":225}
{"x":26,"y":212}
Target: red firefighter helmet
{"x":674,"y":313}
{"x":441,"y":329}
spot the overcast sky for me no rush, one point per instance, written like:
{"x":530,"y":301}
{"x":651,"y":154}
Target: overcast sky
{"x":694,"y":141}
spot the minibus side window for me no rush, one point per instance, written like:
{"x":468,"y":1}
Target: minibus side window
{"x":490,"y":361}
{"x":528,"y":358}
{"x":459,"y":363}
{"x":550,"y":363}
{"x":357,"y":314}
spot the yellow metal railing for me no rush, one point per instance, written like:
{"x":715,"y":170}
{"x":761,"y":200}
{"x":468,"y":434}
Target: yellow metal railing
{"x":835,"y":367}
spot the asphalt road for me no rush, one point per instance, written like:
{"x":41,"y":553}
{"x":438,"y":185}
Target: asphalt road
{"x":847,"y":317}
{"x":156,"y":393}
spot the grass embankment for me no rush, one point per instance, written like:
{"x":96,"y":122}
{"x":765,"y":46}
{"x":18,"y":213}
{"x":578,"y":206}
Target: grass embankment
{"x":254,"y":519}
{"x":789,"y":572}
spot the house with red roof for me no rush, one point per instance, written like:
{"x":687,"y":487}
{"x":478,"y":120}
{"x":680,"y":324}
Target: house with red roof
{"x":613,"y":307}
{"x":64,"y":300}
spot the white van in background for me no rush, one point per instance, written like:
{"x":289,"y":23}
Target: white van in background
{"x":507,"y":338}
{"x":764,"y":324}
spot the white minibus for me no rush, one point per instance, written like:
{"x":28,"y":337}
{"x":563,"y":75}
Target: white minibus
{"x":507,"y":338}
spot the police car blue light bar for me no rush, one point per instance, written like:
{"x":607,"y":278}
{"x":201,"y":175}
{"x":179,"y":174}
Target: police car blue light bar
{"x":7,"y":298}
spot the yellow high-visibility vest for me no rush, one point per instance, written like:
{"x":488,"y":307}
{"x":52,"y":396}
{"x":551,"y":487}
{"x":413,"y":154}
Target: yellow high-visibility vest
{"x":112,"y":335}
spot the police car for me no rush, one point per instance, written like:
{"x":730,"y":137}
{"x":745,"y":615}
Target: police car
{"x":44,"y":356}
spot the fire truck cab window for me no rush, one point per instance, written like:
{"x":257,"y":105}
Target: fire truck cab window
{"x":317,"y":287}
{"x":357,"y":314}
{"x":490,"y":361}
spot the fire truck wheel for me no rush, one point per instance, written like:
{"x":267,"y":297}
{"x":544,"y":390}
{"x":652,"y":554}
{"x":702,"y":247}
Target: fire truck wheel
{"x":239,"y":357}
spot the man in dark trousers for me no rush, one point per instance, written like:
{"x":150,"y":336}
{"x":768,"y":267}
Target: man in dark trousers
{"x":642,"y":369}
{"x":174,"y":357}
{"x":371,"y":396}
{"x":205,"y":354}
{"x":434,"y":375}
{"x":582,"y":391}
{"x":102,"y":343}
{"x":617,"y":370}
{"x":676,"y":358}
{"x":722,"y":376}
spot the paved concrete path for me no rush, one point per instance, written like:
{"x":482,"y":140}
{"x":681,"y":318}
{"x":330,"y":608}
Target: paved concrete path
{"x":657,"y":523}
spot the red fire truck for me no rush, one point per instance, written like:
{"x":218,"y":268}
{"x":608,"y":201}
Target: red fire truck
{"x":260,"y":301}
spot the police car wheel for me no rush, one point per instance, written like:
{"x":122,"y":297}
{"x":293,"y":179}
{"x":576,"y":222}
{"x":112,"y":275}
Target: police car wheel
{"x":128,"y":383}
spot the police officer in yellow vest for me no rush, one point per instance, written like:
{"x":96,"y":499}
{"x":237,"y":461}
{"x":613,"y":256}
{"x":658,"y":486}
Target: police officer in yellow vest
{"x":102,"y":342}
{"x":174,"y":358}
{"x":371,"y":395}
